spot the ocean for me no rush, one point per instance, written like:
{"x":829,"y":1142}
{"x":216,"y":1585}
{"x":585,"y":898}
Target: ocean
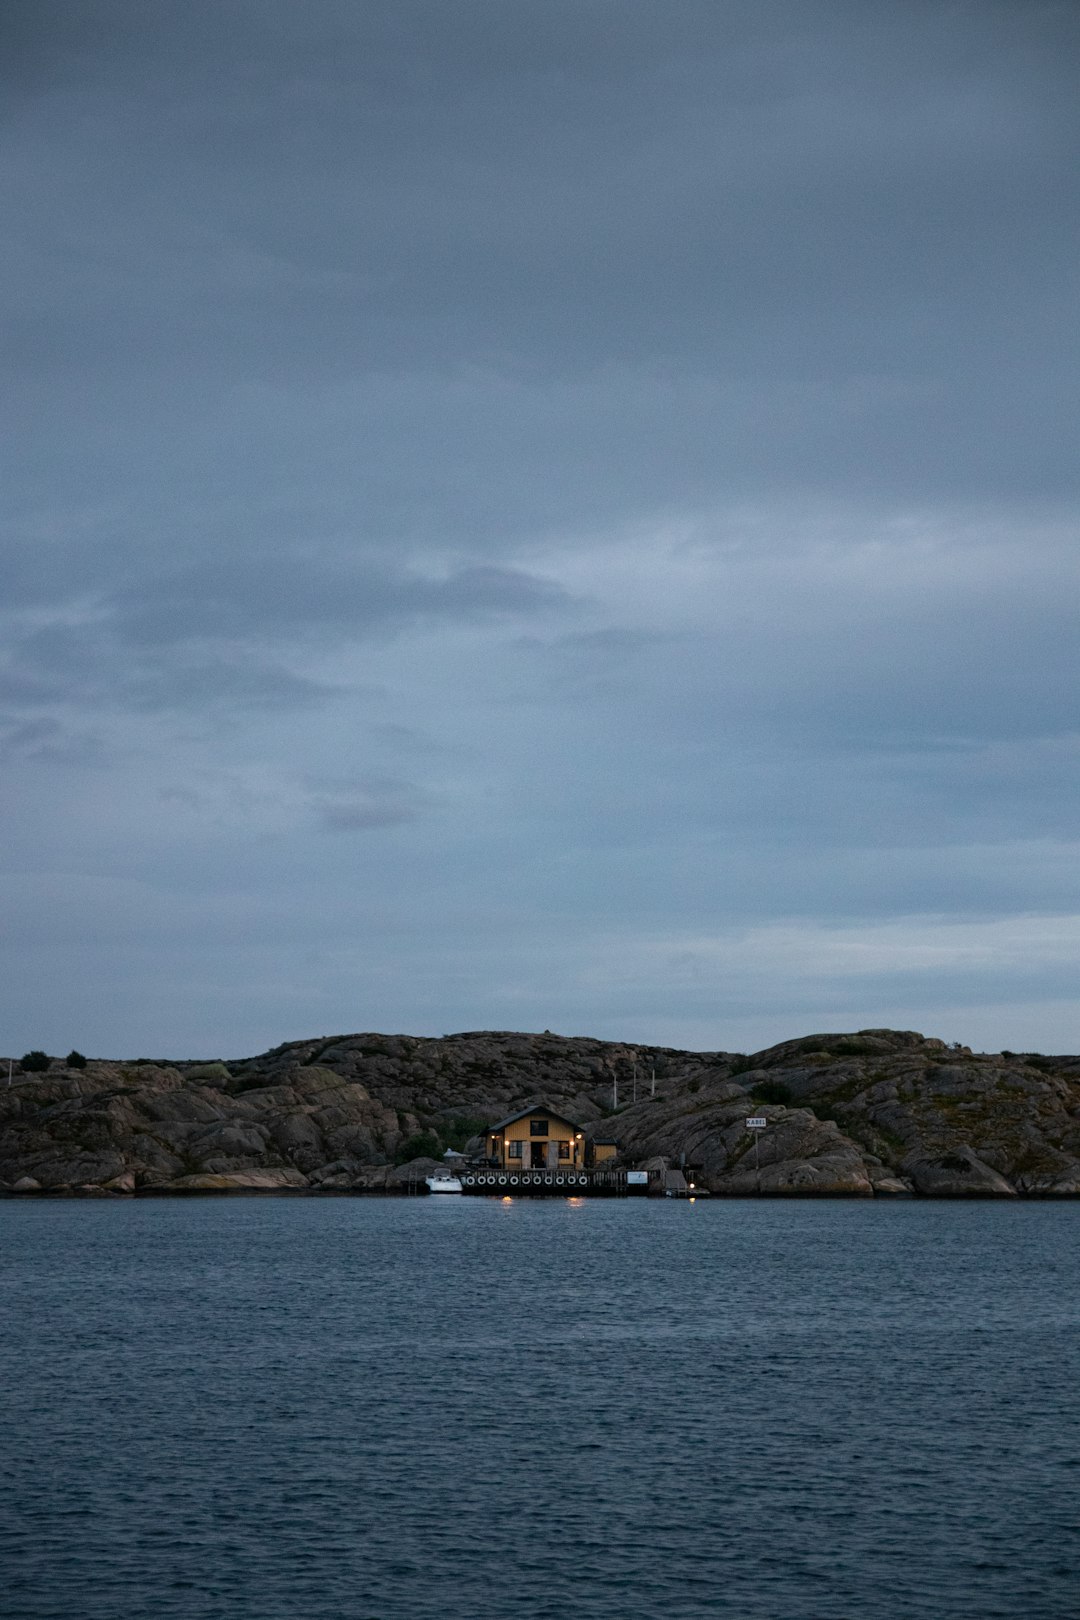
{"x":365,"y":1409}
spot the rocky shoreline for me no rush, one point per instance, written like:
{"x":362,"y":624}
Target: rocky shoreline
{"x":877,"y":1113}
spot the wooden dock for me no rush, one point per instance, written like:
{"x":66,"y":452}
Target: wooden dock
{"x":548,"y":1183}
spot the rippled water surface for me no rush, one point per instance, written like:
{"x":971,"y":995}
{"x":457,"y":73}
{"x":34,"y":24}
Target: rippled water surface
{"x":270,"y":1409}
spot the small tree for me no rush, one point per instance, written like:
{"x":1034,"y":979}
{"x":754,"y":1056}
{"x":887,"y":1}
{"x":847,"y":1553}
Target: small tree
{"x":35,"y":1063}
{"x":424,"y":1145}
{"x":75,"y":1060}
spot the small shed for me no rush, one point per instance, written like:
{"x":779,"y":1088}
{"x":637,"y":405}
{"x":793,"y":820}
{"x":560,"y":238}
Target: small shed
{"x":603,"y":1148}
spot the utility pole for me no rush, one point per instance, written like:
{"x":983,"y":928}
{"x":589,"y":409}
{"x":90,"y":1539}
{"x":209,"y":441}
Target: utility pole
{"x":652,"y":1092}
{"x":757,"y":1124}
{"x":635,"y":1077}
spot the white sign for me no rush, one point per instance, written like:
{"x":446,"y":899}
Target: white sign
{"x":637,"y":1178}
{"x":756,"y":1124}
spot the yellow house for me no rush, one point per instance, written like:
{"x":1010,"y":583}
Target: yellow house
{"x":536,"y":1138}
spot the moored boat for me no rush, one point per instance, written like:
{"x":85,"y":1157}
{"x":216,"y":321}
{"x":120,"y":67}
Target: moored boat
{"x":443,"y":1182}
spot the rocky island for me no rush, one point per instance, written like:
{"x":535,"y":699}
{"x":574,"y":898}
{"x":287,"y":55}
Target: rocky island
{"x":871,"y":1114}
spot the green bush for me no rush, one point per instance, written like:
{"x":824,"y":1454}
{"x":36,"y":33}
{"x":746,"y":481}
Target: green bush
{"x":826,"y":1111}
{"x":208,"y":1071}
{"x":35,"y":1063}
{"x":424,"y":1145}
{"x":456,"y":1132}
{"x":75,"y":1060}
{"x":771,"y":1091}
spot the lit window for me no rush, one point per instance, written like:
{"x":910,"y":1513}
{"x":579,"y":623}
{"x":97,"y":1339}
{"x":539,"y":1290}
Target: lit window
{"x":564,"y":1150}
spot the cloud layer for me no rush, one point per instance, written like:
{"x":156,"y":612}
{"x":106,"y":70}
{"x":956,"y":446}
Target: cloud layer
{"x":550,"y":517}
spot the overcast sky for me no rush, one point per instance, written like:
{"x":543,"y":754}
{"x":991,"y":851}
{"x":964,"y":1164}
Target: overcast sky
{"x":539,"y":514}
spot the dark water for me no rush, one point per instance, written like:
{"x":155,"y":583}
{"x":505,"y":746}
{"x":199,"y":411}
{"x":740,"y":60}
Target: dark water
{"x":271,"y":1408}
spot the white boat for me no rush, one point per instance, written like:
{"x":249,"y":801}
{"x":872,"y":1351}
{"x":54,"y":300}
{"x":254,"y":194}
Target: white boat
{"x":443,"y":1182}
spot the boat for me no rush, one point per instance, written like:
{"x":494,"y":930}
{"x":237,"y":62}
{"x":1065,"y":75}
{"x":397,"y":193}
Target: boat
{"x":443,"y":1182}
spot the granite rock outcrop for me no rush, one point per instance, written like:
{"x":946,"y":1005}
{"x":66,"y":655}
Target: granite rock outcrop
{"x":877,"y":1113}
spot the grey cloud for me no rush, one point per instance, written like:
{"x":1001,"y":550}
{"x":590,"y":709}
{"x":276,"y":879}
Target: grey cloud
{"x":366,"y":365}
{"x":28,"y":687}
{"x":230,"y":597}
{"x":860,"y":316}
{"x":365,"y":806}
{"x":49,"y":741}
{"x":962,"y":634}
{"x":210,"y":683}
{"x":87,"y":668}
{"x":200,"y":638}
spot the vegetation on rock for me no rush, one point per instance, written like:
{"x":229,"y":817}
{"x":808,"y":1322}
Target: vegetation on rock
{"x":424,"y":1145}
{"x":771,"y":1091}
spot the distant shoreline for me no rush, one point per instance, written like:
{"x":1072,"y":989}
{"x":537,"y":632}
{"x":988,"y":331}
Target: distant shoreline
{"x":872,"y":1114}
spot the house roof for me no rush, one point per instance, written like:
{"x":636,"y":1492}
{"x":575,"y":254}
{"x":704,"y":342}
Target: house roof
{"x":605,"y":1141}
{"x":533,"y":1108}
